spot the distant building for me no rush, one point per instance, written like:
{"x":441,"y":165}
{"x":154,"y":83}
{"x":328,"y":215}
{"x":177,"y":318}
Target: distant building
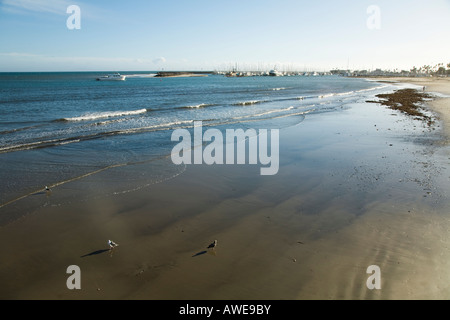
{"x":378,"y":72}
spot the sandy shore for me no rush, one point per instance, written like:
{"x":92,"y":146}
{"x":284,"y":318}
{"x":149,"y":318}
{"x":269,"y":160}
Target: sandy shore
{"x":361,"y":187}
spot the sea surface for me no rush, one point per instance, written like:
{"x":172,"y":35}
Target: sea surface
{"x":60,"y":127}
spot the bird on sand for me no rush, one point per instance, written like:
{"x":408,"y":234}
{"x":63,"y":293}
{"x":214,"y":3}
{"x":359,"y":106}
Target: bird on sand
{"x":112,"y":244}
{"x":213,"y":245}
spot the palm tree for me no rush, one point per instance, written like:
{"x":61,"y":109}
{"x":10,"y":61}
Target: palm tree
{"x":427,"y":69}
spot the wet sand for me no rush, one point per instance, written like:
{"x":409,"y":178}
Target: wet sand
{"x":360,"y":187}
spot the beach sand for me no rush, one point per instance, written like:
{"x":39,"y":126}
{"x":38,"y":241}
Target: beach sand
{"x":372,"y":192}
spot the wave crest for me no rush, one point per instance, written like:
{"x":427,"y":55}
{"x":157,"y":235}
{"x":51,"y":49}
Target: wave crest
{"x":104,"y":115}
{"x":198,"y":106}
{"x":248,"y":103}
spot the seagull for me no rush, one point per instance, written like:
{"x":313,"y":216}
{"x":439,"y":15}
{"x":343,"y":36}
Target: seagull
{"x":213,"y":245}
{"x":47,"y":188}
{"x":112,"y":244}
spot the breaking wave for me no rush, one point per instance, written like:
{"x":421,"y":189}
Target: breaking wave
{"x":104,"y":115}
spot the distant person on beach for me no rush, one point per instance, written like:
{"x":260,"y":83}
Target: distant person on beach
{"x":424,"y":88}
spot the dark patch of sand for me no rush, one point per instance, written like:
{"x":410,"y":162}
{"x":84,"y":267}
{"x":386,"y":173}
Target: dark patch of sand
{"x":408,"y":101}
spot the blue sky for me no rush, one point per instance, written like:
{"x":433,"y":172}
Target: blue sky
{"x":149,"y":35}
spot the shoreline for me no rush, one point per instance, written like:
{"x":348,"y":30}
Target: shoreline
{"x":368,"y":192}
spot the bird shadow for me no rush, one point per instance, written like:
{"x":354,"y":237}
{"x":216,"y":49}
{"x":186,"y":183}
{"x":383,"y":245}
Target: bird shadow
{"x":93,"y":253}
{"x":210,"y":251}
{"x":40,"y":193}
{"x":199,"y":253}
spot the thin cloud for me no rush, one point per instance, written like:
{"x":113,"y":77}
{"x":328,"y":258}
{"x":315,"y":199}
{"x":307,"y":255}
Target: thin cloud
{"x":25,"y":61}
{"x":18,"y":54}
{"x":41,"y":6}
{"x":159,"y":60}
{"x":39,"y":57}
{"x":55,"y":7}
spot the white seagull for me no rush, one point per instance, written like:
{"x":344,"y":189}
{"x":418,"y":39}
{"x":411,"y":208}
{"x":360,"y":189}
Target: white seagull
{"x":112,"y":244}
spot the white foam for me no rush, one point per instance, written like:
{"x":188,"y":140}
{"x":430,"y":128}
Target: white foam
{"x":106,"y":114}
{"x":156,"y":127}
{"x":264,"y":113}
{"x":198,"y":106}
{"x":149,"y":75}
{"x":345,"y":93}
{"x":372,"y":89}
{"x":248,"y":103}
{"x":439,"y":95}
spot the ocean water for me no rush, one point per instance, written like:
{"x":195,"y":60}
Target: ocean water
{"x":59,"y":127}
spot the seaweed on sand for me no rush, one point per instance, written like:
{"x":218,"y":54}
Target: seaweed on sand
{"x":408,"y":101}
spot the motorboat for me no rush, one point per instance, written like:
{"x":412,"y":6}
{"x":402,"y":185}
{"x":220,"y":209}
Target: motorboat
{"x":275,"y":73}
{"x":112,"y":77}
